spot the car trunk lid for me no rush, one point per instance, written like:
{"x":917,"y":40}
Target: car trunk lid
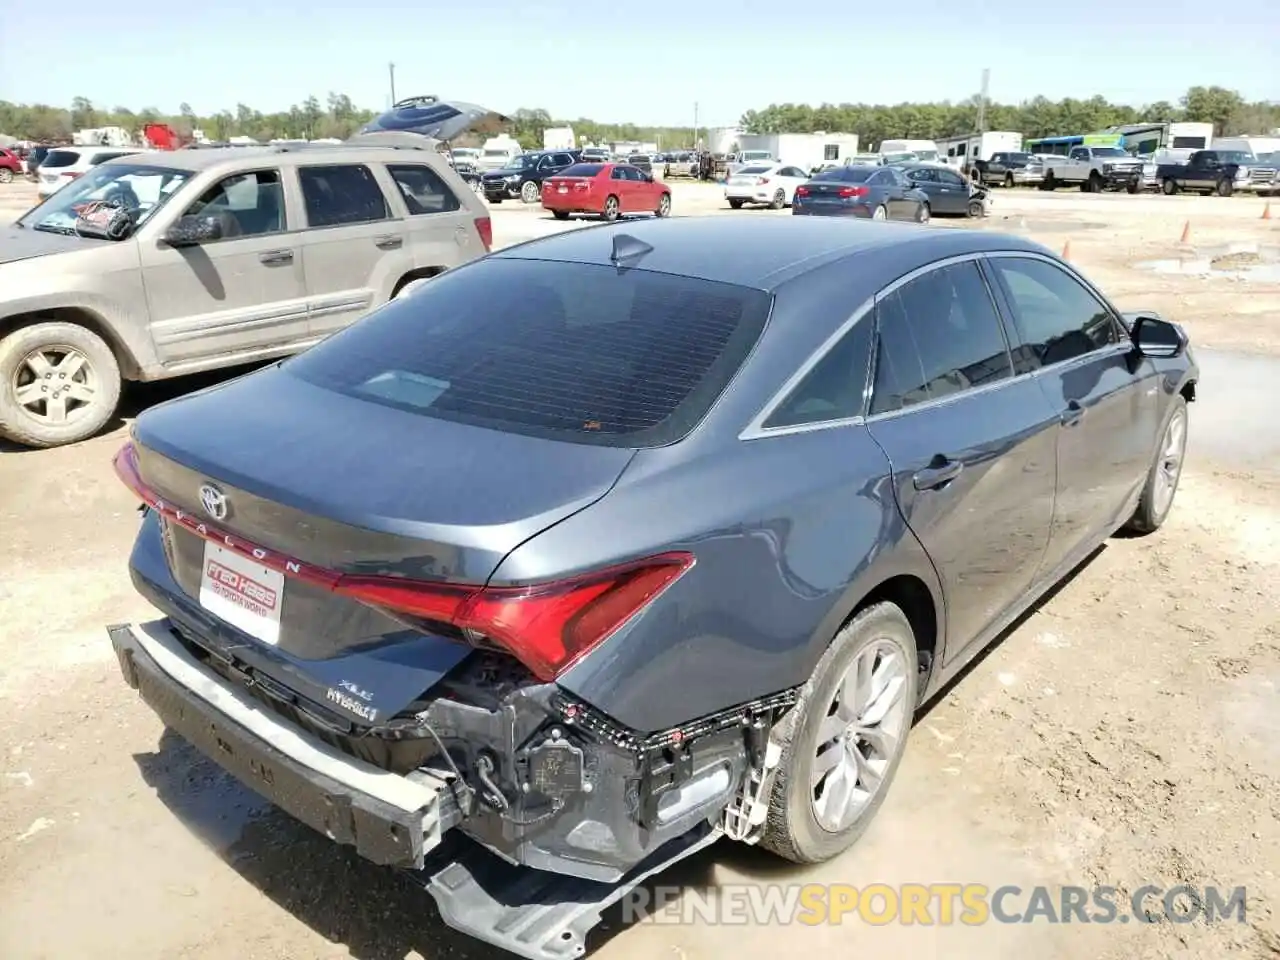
{"x":273,"y":488}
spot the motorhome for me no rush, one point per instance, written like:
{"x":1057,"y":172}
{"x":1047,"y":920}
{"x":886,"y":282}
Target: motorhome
{"x":962,"y":152}
{"x":925,"y":150}
{"x":558,"y":138}
{"x":497,"y":152}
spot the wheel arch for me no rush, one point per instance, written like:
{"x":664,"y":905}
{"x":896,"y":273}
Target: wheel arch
{"x":92,"y":321}
{"x":417,"y":273}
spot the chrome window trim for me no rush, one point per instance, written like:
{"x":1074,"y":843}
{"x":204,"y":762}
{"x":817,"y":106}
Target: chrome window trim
{"x":755,"y":430}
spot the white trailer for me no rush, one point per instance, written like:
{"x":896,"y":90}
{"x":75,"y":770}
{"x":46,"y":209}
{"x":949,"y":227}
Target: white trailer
{"x":808,"y":151}
{"x":962,"y":152}
{"x":558,"y":138}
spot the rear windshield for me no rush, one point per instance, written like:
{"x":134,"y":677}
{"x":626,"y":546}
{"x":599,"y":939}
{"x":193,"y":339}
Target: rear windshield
{"x":570,"y":351}
{"x":581,"y":170}
{"x":60,"y":158}
{"x":639,"y":158}
{"x":756,"y":169}
{"x":847,"y":174}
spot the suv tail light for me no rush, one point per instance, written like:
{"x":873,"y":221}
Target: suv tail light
{"x":854,"y":191}
{"x":802,"y":191}
{"x":484,"y":226}
{"x":546,"y":626}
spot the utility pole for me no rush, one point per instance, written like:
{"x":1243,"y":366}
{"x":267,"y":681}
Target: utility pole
{"x":982,"y":100}
{"x":391,"y":70}
{"x":695,"y":124}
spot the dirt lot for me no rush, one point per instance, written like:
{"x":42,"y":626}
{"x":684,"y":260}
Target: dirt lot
{"x":1127,"y":732}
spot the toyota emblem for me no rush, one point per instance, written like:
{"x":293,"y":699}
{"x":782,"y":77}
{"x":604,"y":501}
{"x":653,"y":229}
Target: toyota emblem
{"x":214,"y":501}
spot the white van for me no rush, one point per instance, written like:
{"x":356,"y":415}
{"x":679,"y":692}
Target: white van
{"x":924,"y":150}
{"x":498,"y":152}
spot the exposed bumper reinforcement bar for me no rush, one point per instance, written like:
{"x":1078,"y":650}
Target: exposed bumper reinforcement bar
{"x":389,"y":819}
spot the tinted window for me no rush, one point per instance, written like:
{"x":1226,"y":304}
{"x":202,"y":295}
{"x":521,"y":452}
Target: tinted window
{"x":104,"y":157}
{"x":1058,"y":318}
{"x":938,"y":335}
{"x":633,"y":173}
{"x":954,"y":179}
{"x":757,"y":169}
{"x":248,"y":204}
{"x":574,"y":351}
{"x":834,"y":388}
{"x":60,"y":158}
{"x":847,"y":174}
{"x":923,"y":175}
{"x":883,"y":177}
{"x":582,"y":170}
{"x":422,"y":189}
{"x":341,"y":194}
{"x":562,"y":159}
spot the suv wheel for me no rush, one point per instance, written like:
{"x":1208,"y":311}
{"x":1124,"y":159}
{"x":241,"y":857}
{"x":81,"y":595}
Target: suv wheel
{"x":844,"y":739}
{"x":59,"y":383}
{"x":530,"y":192}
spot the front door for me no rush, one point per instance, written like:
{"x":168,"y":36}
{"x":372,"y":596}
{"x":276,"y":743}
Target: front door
{"x":953,"y":193}
{"x":239,"y":295}
{"x":972,"y":447}
{"x":1106,"y":403}
{"x":353,"y":249}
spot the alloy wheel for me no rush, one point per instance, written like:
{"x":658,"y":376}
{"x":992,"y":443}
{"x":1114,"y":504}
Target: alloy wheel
{"x":1169,"y":466}
{"x":55,"y":384}
{"x":862,"y":733}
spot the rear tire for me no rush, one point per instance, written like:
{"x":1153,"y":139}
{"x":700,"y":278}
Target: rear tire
{"x":1169,"y":187}
{"x":1224,"y":188}
{"x":611,"y":209}
{"x":803,"y":796}
{"x":30,"y":358}
{"x":736,"y":204}
{"x":779,"y":199}
{"x":560,"y":214}
{"x":880,"y":213}
{"x":1008,"y":181}
{"x":6,"y":175}
{"x":1050,"y":182}
{"x":1165,"y":472}
{"x":922,"y":214}
{"x":664,"y":206}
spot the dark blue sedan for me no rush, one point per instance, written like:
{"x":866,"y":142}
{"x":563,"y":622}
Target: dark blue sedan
{"x":873,"y":193}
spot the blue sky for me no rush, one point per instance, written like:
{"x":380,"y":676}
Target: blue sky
{"x":647,"y":63}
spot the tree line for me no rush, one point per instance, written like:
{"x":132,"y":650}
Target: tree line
{"x":339,"y":117}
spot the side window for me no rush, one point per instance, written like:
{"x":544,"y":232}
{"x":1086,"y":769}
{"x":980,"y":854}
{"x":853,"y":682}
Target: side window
{"x":834,"y":389}
{"x":563,"y":160}
{"x":1078,"y":153}
{"x":881,"y":178}
{"x":341,"y":194}
{"x":924,"y":175}
{"x":248,"y":204}
{"x":1058,"y":317}
{"x":938,"y":335}
{"x":423,"y":190}
{"x":632,"y":173}
{"x":618,"y":173}
{"x":952,"y":179}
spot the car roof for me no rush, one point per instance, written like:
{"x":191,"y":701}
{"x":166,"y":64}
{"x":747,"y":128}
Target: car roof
{"x":760,"y":252}
{"x":207,"y":158}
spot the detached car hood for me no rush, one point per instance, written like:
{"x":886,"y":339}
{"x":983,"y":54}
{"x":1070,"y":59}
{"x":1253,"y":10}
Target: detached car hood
{"x":433,"y":118}
{"x":19,"y":243}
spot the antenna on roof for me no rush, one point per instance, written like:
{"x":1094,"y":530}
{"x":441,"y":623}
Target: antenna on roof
{"x":627,"y":247}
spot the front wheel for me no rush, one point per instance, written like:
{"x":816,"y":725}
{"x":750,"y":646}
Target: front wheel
{"x":1165,"y":472}
{"x":975,"y":209}
{"x":664,"y":206}
{"x":530,"y":192}
{"x":843,"y":741}
{"x":1050,"y":182}
{"x":59,"y":383}
{"x":1008,"y":181}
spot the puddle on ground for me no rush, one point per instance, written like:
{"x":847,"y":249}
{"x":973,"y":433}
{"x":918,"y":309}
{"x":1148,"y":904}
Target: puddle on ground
{"x":1237,"y":261}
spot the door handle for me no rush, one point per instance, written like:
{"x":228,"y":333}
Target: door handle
{"x":389,"y":243}
{"x":1073,"y":414}
{"x":938,"y":474}
{"x":273,"y":257}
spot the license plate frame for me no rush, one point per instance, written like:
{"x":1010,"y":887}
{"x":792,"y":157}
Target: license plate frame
{"x":243,"y":592}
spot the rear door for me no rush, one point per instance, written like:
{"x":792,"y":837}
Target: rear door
{"x":236,"y":295}
{"x":620,"y":185}
{"x":972,"y":446}
{"x":439,"y":229}
{"x":1106,"y":405}
{"x":353,"y":246}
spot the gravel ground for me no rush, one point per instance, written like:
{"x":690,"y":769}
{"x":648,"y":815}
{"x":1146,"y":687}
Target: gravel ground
{"x":1124,"y":733}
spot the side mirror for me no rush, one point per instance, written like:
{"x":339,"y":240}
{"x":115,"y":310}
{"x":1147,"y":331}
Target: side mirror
{"x":191,"y":231}
{"x":1158,"y":339}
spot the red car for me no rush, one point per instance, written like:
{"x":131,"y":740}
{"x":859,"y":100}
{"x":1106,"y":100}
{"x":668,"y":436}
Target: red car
{"x":10,"y":165}
{"x":607,"y":190}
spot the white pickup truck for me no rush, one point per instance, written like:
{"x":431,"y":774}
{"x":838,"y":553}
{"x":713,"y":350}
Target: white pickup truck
{"x":1094,"y":169}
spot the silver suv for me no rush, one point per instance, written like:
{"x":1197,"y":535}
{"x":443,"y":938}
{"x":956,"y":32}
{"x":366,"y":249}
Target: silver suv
{"x":161,"y":264}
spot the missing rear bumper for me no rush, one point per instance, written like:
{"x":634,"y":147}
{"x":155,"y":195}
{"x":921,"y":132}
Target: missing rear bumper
{"x":389,"y":819}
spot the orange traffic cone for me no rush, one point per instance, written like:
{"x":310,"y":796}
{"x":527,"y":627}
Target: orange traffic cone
{"x":1186,"y":232}
{"x":1266,"y":213}
{"x":1066,"y":250}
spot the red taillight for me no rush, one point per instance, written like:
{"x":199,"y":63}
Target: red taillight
{"x":484,"y":226}
{"x":547,"y":626}
{"x":70,"y":176}
{"x":761,"y":181}
{"x":802,"y":191}
{"x":854,"y":191}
